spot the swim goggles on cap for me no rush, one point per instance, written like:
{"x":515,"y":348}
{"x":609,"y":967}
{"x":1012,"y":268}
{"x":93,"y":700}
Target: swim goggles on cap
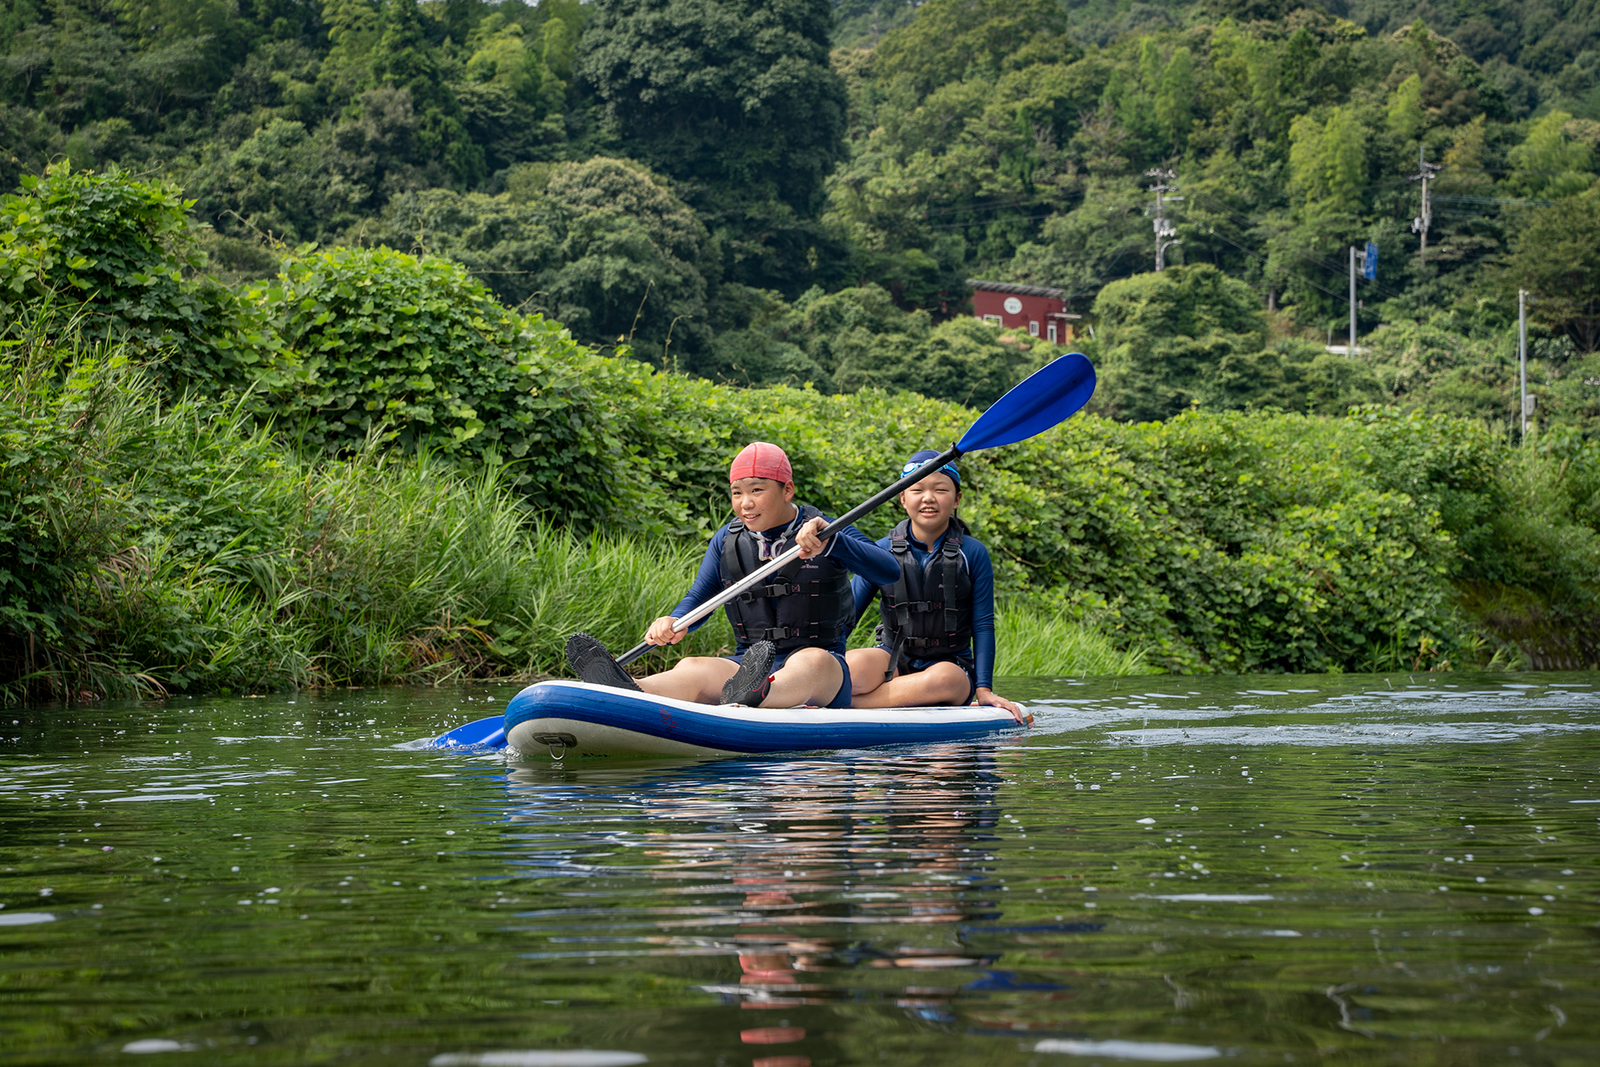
{"x":948,"y":468}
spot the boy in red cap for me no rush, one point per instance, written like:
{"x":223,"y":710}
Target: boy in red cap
{"x":791,"y":632}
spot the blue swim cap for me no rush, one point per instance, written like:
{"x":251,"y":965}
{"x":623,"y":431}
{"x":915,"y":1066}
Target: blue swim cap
{"x":922,"y":457}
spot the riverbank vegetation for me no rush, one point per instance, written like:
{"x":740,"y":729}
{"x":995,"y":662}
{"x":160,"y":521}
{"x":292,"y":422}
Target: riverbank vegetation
{"x":155,"y":544}
{"x":370,"y":470}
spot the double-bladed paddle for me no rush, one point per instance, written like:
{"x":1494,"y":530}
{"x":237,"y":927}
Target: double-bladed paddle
{"x":1045,"y":398}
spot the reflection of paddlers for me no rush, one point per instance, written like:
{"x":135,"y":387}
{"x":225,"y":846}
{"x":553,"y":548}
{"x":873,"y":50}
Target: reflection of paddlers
{"x":936,"y":643}
{"x":790,"y":631}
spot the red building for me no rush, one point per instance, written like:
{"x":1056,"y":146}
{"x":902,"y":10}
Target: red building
{"x":1040,"y":310}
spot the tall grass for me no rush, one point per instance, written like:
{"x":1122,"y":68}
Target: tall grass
{"x":1038,"y":644}
{"x":421,"y":574}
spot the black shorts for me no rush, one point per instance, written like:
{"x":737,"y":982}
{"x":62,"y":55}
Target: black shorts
{"x":841,"y":699}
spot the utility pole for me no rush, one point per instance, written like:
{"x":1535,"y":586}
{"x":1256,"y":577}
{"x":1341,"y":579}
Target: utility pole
{"x":1163,"y":226}
{"x":1522,"y":355}
{"x":1352,"y":349}
{"x":1367,"y":261}
{"x":1426,"y":172}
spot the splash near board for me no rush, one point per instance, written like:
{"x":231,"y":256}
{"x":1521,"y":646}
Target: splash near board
{"x":564,"y":718}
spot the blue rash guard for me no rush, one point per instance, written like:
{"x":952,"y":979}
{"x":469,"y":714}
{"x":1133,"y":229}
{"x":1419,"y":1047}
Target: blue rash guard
{"x":849,"y":547}
{"x":982,"y":573}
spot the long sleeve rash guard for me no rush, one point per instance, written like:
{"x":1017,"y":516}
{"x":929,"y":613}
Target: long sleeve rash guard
{"x":982,"y":572}
{"x":849,"y":547}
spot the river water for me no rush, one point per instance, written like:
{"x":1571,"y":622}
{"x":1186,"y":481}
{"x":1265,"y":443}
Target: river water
{"x":1261,"y":870}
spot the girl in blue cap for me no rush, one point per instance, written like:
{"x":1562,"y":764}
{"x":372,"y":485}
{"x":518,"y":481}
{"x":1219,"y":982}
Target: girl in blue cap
{"x":936,"y":643}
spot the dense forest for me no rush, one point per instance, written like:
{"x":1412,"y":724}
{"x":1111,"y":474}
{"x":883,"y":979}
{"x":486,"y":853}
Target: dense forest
{"x":769,"y":191}
{"x":380,"y":341}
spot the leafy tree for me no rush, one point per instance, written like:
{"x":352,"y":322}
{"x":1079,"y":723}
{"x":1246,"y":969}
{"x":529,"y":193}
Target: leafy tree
{"x":1175,"y":97}
{"x":953,"y":40}
{"x":279,"y":182}
{"x":602,"y":246}
{"x":735,"y":99}
{"x":1405,"y":108}
{"x":862,"y":23}
{"x":1328,"y":161}
{"x":1551,"y":162}
{"x":1164,"y":335}
{"x":1556,"y":256}
{"x":353,"y":28}
{"x":402,"y":59}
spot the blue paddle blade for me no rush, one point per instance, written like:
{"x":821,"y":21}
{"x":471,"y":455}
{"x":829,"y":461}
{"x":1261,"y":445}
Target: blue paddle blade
{"x":488,"y":733}
{"x":1042,"y":399}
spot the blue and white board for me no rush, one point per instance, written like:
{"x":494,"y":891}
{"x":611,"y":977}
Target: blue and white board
{"x":578,"y":719}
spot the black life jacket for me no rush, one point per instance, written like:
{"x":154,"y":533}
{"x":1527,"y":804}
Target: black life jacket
{"x":928,"y":610}
{"x":806,"y":605}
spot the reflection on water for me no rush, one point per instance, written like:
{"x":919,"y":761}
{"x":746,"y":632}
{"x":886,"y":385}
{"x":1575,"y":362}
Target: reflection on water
{"x":1364,"y":870}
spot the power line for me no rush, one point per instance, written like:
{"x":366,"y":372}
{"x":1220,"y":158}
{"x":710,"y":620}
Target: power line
{"x":1315,"y":261}
{"x":1295,"y":274}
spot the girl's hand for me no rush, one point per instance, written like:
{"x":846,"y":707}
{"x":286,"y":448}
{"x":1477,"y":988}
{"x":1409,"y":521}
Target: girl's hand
{"x":662,"y":633}
{"x":988,"y":699}
{"x":810,"y":544}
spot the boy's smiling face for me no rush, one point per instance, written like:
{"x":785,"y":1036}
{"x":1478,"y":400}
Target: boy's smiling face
{"x":930,"y":503}
{"x":762,"y":503}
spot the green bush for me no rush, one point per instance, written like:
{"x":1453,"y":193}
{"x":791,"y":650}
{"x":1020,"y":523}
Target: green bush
{"x":1192,"y":335}
{"x":417,"y":350}
{"x":1222,"y":542}
{"x":117,"y":255}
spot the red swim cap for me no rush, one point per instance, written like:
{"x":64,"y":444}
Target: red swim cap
{"x":761,"y":460}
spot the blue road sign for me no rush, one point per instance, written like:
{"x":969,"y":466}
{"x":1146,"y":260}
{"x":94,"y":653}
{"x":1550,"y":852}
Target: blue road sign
{"x":1370,"y":267}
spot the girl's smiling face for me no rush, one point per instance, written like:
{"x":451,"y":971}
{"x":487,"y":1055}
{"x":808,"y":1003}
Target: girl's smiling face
{"x":762,"y":503}
{"x":930,"y":503}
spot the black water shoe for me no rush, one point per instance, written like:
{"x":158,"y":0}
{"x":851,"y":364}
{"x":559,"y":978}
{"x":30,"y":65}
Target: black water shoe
{"x":591,"y":662}
{"x":751,"y":683}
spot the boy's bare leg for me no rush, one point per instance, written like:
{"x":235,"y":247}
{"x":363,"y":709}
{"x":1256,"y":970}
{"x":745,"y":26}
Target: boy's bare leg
{"x":867,"y":666}
{"x":809,"y":676}
{"x":942,"y":685}
{"x":697,"y":678}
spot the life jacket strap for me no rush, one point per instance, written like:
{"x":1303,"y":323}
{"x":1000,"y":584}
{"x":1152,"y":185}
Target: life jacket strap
{"x":779,"y":633}
{"x":781,"y":588}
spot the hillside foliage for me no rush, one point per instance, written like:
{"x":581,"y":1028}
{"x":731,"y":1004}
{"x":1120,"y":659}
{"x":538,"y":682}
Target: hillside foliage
{"x":691,"y":179}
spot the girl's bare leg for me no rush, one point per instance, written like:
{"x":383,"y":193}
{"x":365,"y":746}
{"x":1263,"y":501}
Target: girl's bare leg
{"x":866,"y":668}
{"x":942,"y":685}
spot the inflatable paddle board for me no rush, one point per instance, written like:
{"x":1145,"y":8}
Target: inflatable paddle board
{"x":579,"y":719}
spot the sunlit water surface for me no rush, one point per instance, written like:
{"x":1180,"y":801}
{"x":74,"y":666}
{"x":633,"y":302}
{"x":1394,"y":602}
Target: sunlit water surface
{"x":1263,"y":870}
